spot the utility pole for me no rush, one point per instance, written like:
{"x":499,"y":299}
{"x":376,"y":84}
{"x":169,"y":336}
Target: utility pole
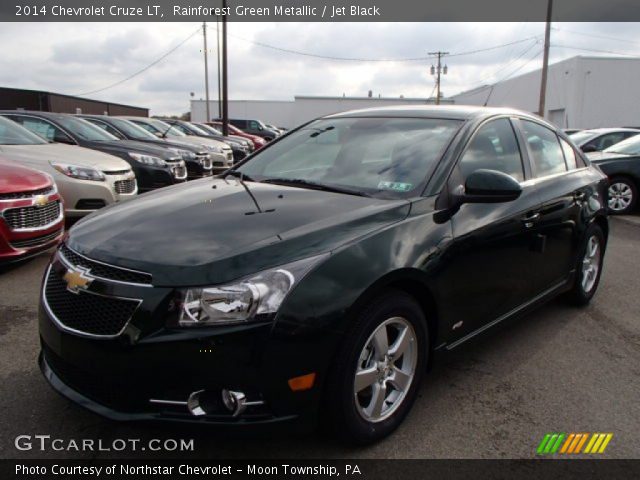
{"x":219,"y":69}
{"x":437,"y":70}
{"x":225,"y":86}
{"x":545,"y":61}
{"x":206,"y":69}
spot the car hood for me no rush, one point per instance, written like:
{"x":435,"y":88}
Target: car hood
{"x":84,"y":157}
{"x":198,"y":141}
{"x":213,"y":231}
{"x":604,"y":156}
{"x":124,"y":146}
{"x":15,"y":178}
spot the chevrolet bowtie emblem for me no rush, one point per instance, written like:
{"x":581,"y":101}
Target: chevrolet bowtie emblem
{"x":77,"y":279}
{"x":40,"y":200}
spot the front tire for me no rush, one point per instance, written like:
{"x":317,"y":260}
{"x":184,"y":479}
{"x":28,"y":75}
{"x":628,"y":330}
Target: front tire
{"x":589,"y":267}
{"x":377,"y":372}
{"x":623,"y":195}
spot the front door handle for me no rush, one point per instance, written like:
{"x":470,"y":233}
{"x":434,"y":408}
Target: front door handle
{"x":530,"y":219}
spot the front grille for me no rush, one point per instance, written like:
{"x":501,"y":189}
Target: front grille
{"x":179,"y":172}
{"x":103,"y":271}
{"x":22,"y":195}
{"x":32,"y":217}
{"x":125,"y":186}
{"x":117,"y":172}
{"x":36,"y":241}
{"x":86,"y":312}
{"x":90,"y":204}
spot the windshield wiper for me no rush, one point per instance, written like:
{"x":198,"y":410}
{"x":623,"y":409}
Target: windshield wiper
{"x":299,"y":182}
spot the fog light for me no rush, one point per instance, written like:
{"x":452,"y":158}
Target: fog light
{"x":235,"y":402}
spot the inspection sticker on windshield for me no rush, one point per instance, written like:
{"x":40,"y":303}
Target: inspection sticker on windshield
{"x":396,"y":186}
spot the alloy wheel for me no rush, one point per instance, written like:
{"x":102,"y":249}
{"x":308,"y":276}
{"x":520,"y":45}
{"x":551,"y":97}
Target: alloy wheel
{"x":591,"y":264}
{"x":620,"y":196}
{"x":386,"y":368}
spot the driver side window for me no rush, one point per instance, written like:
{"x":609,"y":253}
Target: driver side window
{"x":493,"y":147}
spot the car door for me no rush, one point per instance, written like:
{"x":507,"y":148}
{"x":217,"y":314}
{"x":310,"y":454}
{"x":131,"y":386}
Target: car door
{"x":488,"y":271}
{"x":559,"y":181}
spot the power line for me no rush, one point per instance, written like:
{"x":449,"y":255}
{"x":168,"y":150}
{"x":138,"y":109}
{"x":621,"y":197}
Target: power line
{"x":595,"y":50}
{"x":594,"y":35}
{"x":155,"y":62}
{"x":362,"y":59}
{"x":537,"y":54}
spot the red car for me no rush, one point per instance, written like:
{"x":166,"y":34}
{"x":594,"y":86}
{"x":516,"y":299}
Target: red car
{"x":258,"y":142}
{"x":31,"y":212}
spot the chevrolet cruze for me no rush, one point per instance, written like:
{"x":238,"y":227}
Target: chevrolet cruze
{"x":320,"y":278}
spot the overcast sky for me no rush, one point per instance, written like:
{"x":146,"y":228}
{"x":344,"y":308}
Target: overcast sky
{"x":75,"y":58}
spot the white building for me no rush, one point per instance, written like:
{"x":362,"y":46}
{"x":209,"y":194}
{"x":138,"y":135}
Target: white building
{"x":301,"y":109}
{"x":582,"y":92}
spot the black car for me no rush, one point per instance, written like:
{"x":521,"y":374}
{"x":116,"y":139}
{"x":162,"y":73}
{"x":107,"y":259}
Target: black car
{"x":198,"y":160}
{"x":239,"y":149}
{"x":621,"y":163}
{"x":154,"y":167}
{"x":322,"y":276}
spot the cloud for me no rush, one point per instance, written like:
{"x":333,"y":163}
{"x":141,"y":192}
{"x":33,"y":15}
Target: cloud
{"x":91,"y":56}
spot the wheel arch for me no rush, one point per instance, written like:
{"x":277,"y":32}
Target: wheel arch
{"x":413,"y":283}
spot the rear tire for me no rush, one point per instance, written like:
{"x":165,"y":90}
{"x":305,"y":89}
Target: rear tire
{"x":589,"y":266}
{"x":623,"y":195}
{"x":377,"y":371}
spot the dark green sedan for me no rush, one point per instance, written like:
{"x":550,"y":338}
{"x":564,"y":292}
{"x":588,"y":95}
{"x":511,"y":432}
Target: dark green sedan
{"x":320,"y":278}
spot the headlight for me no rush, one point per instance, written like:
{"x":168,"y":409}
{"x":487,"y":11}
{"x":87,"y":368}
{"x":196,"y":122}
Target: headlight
{"x":147,"y":159}
{"x":185,"y":154}
{"x":213,"y":148}
{"x":76,"y":171}
{"x":242,"y":301}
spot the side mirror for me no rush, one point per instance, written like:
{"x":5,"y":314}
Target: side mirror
{"x":61,"y":137}
{"x":490,"y":186}
{"x":588,"y":148}
{"x":159,"y":134}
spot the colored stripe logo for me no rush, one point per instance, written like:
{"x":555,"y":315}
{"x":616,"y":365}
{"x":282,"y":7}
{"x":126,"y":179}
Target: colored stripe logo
{"x":573,"y":443}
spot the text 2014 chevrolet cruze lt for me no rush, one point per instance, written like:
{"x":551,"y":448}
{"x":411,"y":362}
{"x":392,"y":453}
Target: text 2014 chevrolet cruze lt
{"x":319,"y":278}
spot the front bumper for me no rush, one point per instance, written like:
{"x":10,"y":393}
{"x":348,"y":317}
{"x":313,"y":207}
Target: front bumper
{"x":82,"y":197}
{"x":149,"y":371}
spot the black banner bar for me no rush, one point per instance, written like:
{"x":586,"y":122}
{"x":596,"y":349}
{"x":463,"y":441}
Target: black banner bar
{"x":317,"y":11}
{"x":320,"y":469}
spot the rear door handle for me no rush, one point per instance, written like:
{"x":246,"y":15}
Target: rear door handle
{"x":530,"y":219}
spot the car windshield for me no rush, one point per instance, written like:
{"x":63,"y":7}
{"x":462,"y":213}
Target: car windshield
{"x":165,"y":128}
{"x":13,"y":134}
{"x":132,"y":130}
{"x":630,"y":146}
{"x":387,"y":157}
{"x":198,"y":128}
{"x":210,"y":129}
{"x":85,"y":130}
{"x":583,"y":136}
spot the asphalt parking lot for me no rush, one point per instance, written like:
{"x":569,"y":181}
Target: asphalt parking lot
{"x":560,"y":369}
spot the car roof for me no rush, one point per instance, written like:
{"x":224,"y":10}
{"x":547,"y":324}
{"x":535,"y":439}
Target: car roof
{"x":454,"y":112}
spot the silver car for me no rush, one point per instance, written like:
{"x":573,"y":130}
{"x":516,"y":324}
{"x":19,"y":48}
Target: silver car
{"x":220,"y":153}
{"x":86,"y":179}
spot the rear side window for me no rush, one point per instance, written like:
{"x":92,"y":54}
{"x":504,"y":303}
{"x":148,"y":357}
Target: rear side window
{"x":569,"y":155}
{"x":544,"y":149}
{"x":493,"y":147}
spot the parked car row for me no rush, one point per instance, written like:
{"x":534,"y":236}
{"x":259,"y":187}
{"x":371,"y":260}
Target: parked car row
{"x":60,"y":165}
